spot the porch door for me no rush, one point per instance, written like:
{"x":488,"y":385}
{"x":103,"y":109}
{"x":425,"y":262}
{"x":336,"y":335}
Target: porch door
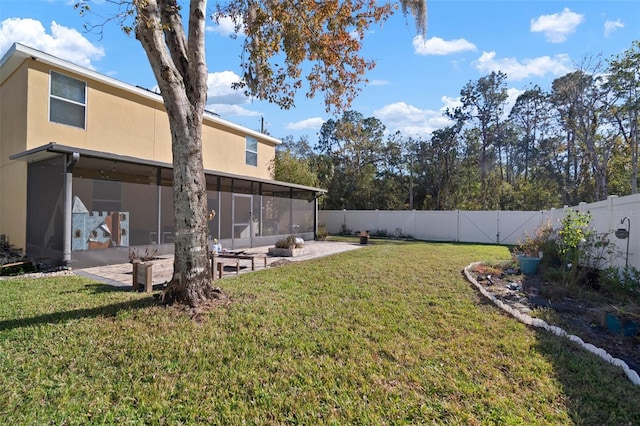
{"x":242,"y":220}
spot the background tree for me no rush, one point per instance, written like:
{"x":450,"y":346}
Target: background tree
{"x":530,"y":118}
{"x":289,"y":32}
{"x":437,"y":163}
{"x":468,"y":181}
{"x":623,"y":82}
{"x":483,"y":102}
{"x":392,"y":175}
{"x":579,"y":98}
{"x":293,"y":163}
{"x":356,"y":147}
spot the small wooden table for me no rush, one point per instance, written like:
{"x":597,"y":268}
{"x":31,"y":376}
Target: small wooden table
{"x":219,"y":264}
{"x":246,"y":256}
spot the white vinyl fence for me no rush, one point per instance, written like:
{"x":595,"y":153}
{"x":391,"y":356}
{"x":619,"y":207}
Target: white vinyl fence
{"x":493,"y":227}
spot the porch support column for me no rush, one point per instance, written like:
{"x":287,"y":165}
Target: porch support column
{"x":72,"y":159}
{"x":315,"y":216}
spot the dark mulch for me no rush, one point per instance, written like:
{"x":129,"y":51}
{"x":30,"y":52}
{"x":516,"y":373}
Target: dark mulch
{"x":583,"y":318}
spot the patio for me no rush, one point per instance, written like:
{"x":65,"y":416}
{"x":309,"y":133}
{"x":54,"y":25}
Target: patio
{"x":120,"y":275}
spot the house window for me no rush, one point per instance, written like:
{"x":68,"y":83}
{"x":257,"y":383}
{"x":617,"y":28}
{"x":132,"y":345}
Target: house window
{"x":251,"y":152}
{"x":67,"y":100}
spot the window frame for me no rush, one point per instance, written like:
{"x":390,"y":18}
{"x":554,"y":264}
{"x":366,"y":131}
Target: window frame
{"x":249,"y":153}
{"x":63,"y":99}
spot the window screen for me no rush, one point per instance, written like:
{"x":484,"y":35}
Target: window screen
{"x":251,"y":151}
{"x":67,"y":100}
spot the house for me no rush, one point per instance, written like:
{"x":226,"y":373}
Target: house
{"x":86,"y":169}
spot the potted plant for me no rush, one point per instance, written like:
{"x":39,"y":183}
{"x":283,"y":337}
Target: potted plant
{"x":619,"y":321}
{"x":529,"y":252}
{"x":364,"y":237}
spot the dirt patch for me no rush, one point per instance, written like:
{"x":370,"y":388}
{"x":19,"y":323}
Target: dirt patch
{"x":280,"y":262}
{"x":583,"y":318}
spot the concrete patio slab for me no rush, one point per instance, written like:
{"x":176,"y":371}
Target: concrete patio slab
{"x":121,"y":275}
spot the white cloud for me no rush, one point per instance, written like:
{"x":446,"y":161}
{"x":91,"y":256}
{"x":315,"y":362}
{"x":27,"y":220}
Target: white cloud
{"x":558,"y":26}
{"x":379,"y":82}
{"x":225,"y":25}
{"x":410,"y":120}
{"x":438,"y":46}
{"x":219,"y":89}
{"x":314,"y":123}
{"x":518,"y":70}
{"x":450,"y":103}
{"x":224,"y":100}
{"x":611,"y":26}
{"x":512,"y":97}
{"x":63,"y":42}
{"x":227,"y":110}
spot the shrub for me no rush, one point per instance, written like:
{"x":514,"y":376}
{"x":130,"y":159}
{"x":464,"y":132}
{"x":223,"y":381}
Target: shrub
{"x":543,"y":240}
{"x":574,"y":234}
{"x":627,"y":280}
{"x":149,"y":254}
{"x":287,"y":243}
{"x":322,"y":234}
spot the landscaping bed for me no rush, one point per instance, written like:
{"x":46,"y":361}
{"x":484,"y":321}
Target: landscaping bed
{"x":580,"y":311}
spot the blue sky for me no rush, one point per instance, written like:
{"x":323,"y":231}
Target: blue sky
{"x":415,"y":79}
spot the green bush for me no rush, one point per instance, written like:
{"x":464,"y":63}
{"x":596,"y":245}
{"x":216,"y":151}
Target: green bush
{"x":288,"y":243}
{"x":626,"y":280}
{"x":322,"y":233}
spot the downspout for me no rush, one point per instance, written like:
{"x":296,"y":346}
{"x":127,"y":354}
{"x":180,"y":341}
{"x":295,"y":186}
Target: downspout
{"x":315,"y":216}
{"x":72,"y":160}
{"x":159,"y":206}
{"x":290,"y":210}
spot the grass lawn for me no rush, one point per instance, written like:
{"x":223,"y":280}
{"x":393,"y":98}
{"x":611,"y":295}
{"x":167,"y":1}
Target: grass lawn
{"x":389,"y":334}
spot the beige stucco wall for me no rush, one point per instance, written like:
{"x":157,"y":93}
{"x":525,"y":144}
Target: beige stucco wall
{"x":124,"y":123}
{"x":13,"y":175}
{"x":118,"y":121}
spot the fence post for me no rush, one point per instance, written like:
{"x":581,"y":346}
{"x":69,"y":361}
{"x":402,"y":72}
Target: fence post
{"x":413,"y":223}
{"x":344,"y":220}
{"x":612,"y":224}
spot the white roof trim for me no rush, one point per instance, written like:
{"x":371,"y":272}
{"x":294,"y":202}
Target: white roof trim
{"x":19,"y":52}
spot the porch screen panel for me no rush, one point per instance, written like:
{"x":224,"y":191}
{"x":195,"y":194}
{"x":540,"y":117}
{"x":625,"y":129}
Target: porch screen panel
{"x":167,"y":216}
{"x":113,"y":213}
{"x":225,"y":216}
{"x":45,"y":208}
{"x":141,"y":201}
{"x":302,"y":214}
{"x":213,"y":222}
{"x":275,"y":214}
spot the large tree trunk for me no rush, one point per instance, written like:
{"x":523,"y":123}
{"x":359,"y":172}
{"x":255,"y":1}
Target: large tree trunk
{"x":180,"y":69}
{"x":191,"y":283}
